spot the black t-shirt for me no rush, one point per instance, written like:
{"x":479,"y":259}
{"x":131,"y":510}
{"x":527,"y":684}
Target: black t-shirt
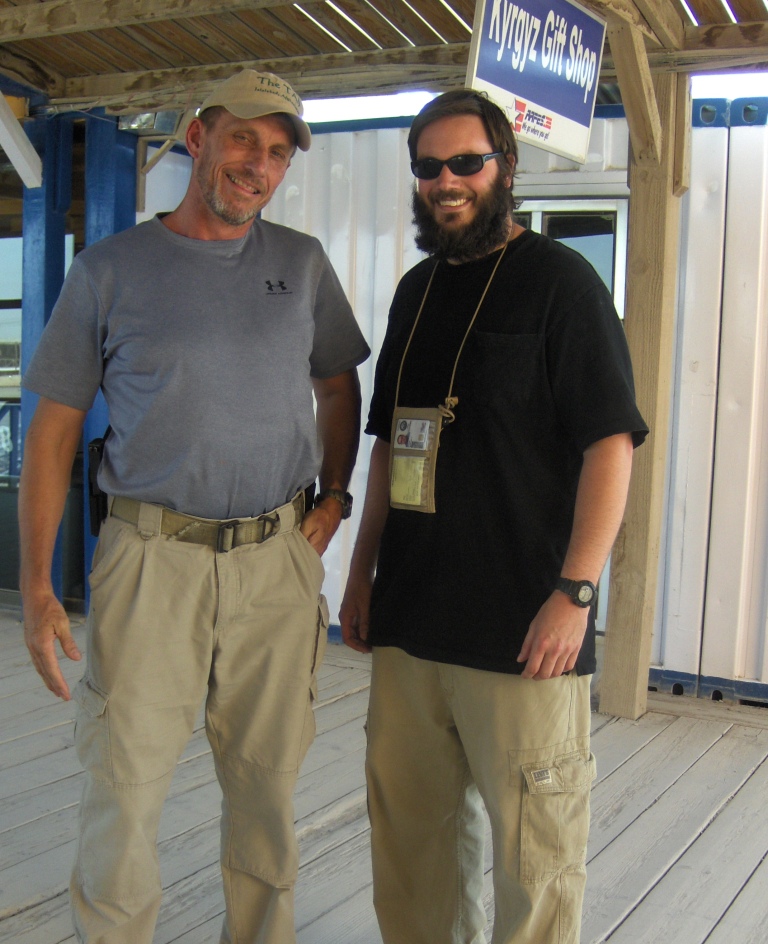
{"x":544,"y":374}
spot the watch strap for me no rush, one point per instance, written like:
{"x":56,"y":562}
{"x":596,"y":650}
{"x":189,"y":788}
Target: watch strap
{"x":581,"y":592}
{"x":343,"y":497}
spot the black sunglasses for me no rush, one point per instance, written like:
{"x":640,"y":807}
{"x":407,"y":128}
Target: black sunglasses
{"x":462,"y":165}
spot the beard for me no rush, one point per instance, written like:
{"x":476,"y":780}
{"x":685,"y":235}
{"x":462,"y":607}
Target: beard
{"x":226,"y":212}
{"x":487,"y":231}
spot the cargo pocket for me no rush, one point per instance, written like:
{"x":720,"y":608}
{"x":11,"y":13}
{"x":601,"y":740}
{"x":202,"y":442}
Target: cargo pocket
{"x":321,"y":641}
{"x":554,"y":823}
{"x":92,"y":729}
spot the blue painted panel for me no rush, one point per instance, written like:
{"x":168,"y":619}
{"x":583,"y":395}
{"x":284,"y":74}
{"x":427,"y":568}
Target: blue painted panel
{"x":732,"y":689}
{"x":710,"y":687}
{"x":675,"y":683}
{"x":749,"y":111}
{"x":110,"y":206}
{"x":43,"y":229}
{"x":711,"y":112}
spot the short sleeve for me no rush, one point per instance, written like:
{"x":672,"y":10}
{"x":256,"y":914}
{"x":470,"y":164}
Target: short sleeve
{"x":591,"y":372}
{"x":339,"y":344}
{"x":67,"y":365}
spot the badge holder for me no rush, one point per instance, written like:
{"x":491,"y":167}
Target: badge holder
{"x":413,"y":458}
{"x":416,"y":431}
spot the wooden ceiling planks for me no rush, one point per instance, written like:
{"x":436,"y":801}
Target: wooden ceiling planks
{"x":395,"y":44}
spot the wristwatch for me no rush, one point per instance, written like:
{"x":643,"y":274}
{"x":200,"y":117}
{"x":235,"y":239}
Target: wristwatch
{"x":344,"y":497}
{"x":581,"y":592}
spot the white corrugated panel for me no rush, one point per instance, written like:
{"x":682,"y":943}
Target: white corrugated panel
{"x":677,"y":639}
{"x":737,"y":589}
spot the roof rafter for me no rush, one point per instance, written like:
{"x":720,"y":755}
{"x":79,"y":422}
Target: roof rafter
{"x":637,"y":92}
{"x":349,"y":73}
{"x":31,"y":74}
{"x":58,"y":17}
{"x":665,"y":22}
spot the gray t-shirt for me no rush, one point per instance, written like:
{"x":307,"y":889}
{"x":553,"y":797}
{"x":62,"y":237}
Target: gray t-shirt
{"x":205,"y":352}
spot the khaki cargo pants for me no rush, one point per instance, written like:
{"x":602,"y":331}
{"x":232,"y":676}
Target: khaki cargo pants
{"x":440,"y":738}
{"x":172,"y":624}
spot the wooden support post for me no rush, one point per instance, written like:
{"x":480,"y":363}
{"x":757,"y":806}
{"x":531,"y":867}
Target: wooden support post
{"x":649,"y":321}
{"x":683,"y":130}
{"x":634,"y":74}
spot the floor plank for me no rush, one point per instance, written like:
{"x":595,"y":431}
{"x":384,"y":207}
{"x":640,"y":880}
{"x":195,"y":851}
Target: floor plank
{"x":690,"y":901}
{"x":627,"y":869}
{"x":746,"y":921}
{"x":678,"y":847}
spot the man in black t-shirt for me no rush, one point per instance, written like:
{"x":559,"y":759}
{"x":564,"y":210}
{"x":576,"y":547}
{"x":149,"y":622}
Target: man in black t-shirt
{"x":505,"y":420}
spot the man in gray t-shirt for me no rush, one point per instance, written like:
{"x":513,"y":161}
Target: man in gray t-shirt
{"x":208,"y":332}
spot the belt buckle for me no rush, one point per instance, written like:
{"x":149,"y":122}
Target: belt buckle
{"x":225,"y":536}
{"x":270,"y":525}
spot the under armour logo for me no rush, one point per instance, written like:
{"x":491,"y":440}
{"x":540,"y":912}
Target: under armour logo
{"x":274,"y":286}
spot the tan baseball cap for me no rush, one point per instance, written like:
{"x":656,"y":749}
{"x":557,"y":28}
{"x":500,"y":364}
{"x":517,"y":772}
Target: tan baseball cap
{"x":250,"y":94}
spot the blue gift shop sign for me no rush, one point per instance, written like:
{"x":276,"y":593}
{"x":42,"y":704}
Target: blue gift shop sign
{"x":540,"y":61}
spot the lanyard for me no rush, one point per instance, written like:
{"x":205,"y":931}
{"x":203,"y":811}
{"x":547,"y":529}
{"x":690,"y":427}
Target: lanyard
{"x":446,"y":408}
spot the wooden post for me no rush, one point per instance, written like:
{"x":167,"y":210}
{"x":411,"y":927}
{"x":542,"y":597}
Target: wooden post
{"x":650,"y":321}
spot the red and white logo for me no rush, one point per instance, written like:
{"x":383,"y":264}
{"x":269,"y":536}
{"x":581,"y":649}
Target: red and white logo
{"x":520,"y":107}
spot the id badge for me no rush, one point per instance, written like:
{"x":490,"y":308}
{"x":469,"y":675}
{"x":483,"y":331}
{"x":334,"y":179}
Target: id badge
{"x":413,"y":458}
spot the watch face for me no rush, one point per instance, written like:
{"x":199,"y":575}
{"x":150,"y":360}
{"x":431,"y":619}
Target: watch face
{"x":585,"y":594}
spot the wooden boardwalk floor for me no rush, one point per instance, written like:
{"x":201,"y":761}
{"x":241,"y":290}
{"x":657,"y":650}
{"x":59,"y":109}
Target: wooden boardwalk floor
{"x":677,"y":849}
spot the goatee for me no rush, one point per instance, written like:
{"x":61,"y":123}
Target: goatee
{"x":486,"y":232}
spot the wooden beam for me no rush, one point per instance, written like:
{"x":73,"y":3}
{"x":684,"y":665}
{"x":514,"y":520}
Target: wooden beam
{"x":624,"y":10}
{"x":696,"y":60}
{"x":665,"y":21}
{"x":708,"y":48}
{"x":683,"y":128}
{"x":31,"y":74}
{"x":18,"y":147}
{"x":357,"y":73}
{"x":637,"y":96}
{"x":727,"y":37}
{"x":58,"y":17}
{"x":654,"y":220}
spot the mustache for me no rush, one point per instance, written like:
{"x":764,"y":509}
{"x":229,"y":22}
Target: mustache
{"x":437,"y":195}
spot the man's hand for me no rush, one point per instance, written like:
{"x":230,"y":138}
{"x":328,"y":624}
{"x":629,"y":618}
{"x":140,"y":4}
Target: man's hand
{"x":45,"y":621}
{"x":355,"y":609}
{"x":52,"y":441}
{"x":554,"y":638}
{"x":320,"y":524}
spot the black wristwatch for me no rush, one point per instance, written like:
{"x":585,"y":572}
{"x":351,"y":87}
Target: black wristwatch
{"x":344,"y":497}
{"x":581,"y":592}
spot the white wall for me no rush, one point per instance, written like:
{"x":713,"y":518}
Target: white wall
{"x":712,"y":621}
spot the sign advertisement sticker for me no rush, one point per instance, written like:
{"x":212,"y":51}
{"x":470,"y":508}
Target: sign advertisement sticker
{"x":540,"y":60}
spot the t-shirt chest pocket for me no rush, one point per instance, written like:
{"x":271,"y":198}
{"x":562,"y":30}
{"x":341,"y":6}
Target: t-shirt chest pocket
{"x":502,"y":368}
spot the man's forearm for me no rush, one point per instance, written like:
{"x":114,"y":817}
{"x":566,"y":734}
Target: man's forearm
{"x":338,"y":423}
{"x":600,"y":502}
{"x":355,"y":608}
{"x":49,"y":451}
{"x":556,"y":633}
{"x":375,"y":513}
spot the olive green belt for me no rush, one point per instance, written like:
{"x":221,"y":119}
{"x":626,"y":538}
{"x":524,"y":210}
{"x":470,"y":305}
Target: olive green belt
{"x":222,"y":536}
